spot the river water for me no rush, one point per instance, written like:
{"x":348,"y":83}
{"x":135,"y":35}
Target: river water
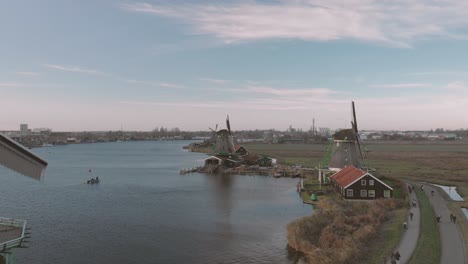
{"x":143,"y":211}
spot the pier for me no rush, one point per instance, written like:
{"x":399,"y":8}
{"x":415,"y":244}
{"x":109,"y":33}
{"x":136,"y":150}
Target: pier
{"x":191,"y":170}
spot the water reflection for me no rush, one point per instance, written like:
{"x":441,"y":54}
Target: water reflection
{"x":222,"y":186}
{"x":222,"y":192}
{"x":465,"y":211}
{"x":451,"y":191}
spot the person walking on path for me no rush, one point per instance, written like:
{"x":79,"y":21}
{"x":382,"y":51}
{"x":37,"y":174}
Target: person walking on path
{"x":438,"y":219}
{"x":411,"y":216}
{"x":453,"y":218}
{"x":397,"y":257}
{"x":410,"y":236}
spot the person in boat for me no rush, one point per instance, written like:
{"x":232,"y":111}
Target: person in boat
{"x":92,"y":181}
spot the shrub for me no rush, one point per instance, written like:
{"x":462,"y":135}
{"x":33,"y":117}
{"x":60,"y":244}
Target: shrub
{"x":339,"y":230}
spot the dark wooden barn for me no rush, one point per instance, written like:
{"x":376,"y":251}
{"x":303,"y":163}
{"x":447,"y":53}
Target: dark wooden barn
{"x":241,"y":151}
{"x":353,"y":183}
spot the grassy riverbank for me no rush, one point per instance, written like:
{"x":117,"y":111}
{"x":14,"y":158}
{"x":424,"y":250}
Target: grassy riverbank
{"x":388,"y":236}
{"x":339,"y":231}
{"x":428,"y":249}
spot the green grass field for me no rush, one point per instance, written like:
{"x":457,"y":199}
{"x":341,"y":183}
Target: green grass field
{"x":442,"y":162}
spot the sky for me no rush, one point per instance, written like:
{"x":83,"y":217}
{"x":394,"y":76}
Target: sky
{"x":103,"y":65}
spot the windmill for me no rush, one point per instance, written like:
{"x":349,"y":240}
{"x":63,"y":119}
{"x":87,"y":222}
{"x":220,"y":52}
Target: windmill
{"x":346,"y":149}
{"x":213,"y":134}
{"x":15,"y":157}
{"x":224,"y":141}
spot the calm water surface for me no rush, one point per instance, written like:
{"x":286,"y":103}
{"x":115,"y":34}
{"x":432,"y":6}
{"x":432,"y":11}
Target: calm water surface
{"x":144,"y":211}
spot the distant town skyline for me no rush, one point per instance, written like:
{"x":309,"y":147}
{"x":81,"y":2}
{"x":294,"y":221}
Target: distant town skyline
{"x":100,"y":65}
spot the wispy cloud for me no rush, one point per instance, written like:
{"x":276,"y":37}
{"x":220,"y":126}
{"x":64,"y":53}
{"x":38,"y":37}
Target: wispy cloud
{"x":285,"y":92}
{"x":457,"y":86}
{"x":397,"y":22}
{"x":73,"y":69}
{"x":30,"y":85}
{"x":457,"y":73}
{"x":252,"y":105}
{"x":401,"y":85}
{"x":28,"y":74}
{"x":215,"y":81}
{"x":157,"y":84}
{"x":270,"y":98}
{"x":11,"y":84}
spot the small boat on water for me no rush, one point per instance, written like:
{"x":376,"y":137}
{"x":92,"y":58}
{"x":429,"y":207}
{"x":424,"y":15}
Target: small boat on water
{"x":47,"y":145}
{"x":93,"y":181}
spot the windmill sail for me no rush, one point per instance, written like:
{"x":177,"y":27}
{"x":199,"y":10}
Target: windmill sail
{"x":19,"y":159}
{"x":356,"y":132}
{"x":228,"y":125}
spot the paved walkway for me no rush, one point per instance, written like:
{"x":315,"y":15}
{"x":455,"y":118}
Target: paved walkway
{"x":410,"y":236}
{"x":453,"y":250}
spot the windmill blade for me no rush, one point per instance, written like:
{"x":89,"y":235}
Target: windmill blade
{"x":355,"y":127}
{"x":359,"y":146}
{"x":212,"y":129}
{"x":19,"y":159}
{"x":358,"y":142}
{"x":216,"y":128}
{"x":228,"y":125}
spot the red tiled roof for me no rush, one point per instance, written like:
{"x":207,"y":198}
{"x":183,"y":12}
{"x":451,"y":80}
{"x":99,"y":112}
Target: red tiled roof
{"x":237,"y":147}
{"x":347,"y":175}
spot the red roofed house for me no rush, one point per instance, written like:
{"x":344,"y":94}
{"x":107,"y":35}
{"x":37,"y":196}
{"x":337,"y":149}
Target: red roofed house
{"x":353,"y":183}
{"x":241,"y":151}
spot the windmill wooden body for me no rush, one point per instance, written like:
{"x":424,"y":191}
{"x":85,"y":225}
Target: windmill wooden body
{"x":347,"y":147}
{"x":224,"y":140}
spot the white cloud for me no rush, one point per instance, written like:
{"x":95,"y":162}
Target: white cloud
{"x":290,"y":92}
{"x":399,"y":22}
{"x":401,"y":85}
{"x":28,"y":74}
{"x":457,"y":86}
{"x":251,"y":105}
{"x":171,"y":85}
{"x":157,"y":84}
{"x":73,"y":69}
{"x":458,"y":73}
{"x":11,"y":84}
{"x":30,"y":85}
{"x":215,"y":81}
{"x":279,"y":107}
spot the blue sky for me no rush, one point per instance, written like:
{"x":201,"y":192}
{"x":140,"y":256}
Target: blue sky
{"x":100,"y":65}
